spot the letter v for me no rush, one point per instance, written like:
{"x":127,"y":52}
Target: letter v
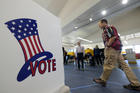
{"x":33,"y":69}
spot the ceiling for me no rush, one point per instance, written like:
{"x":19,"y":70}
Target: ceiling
{"x":116,"y":14}
{"x":76,"y":13}
{"x":67,"y":10}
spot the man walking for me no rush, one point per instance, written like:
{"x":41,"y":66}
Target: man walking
{"x":113,"y":56}
{"x":80,"y":55}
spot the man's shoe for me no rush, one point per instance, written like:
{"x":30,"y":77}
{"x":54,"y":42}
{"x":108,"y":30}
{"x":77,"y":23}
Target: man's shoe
{"x":100,"y":81}
{"x":137,"y":88}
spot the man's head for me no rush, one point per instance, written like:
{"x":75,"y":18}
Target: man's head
{"x":103,"y":23}
{"x":96,"y":46}
{"x":78,"y":43}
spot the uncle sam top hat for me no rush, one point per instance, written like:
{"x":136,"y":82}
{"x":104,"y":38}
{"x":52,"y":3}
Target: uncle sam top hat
{"x":26,"y":32}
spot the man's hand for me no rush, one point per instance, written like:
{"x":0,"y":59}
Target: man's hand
{"x":111,"y":40}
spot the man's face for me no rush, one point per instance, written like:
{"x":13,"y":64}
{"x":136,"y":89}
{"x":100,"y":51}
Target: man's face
{"x":78,"y":43}
{"x":101,"y":25}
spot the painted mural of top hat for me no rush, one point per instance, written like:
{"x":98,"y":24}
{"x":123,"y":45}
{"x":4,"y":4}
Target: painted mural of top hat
{"x":26,"y":32}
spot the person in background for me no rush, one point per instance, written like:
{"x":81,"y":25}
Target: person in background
{"x":80,"y":52}
{"x":102,"y":55}
{"x":113,"y":47}
{"x":97,"y":55}
{"x":64,"y":56}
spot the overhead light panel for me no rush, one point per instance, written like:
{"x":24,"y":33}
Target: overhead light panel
{"x":124,"y":2}
{"x":76,"y":27}
{"x":104,"y":12}
{"x":90,"y":19}
{"x":84,"y":39}
{"x":125,"y":42}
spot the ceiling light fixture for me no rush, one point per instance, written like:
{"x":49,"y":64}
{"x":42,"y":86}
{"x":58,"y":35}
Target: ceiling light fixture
{"x":104,"y":12}
{"x":90,"y":19}
{"x":124,"y":2}
{"x":125,"y":42}
{"x":84,"y":39}
{"x":76,"y":27}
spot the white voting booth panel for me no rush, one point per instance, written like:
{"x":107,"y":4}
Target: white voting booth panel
{"x":30,"y":49}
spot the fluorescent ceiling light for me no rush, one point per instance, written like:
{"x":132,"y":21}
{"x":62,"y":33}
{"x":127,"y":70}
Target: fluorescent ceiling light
{"x":137,"y":35}
{"x":104,"y":12}
{"x":91,"y":19}
{"x":76,"y":27}
{"x":125,"y":42}
{"x":84,"y":39}
{"x":124,"y":2}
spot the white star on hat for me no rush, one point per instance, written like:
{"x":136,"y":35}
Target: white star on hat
{"x":24,"y":34}
{"x":34,"y":25}
{"x":30,"y":32}
{"x":19,"y":36}
{"x":25,"y":29}
{"x":27,"y":25}
{"x":13,"y":23}
{"x":20,"y":26}
{"x":30,"y":21}
{"x":13,"y":28}
{"x":31,"y":28}
{"x":21,"y":21}
{"x":19,"y":31}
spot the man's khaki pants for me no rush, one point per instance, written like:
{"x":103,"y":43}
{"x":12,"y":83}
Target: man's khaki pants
{"x":112,"y":59}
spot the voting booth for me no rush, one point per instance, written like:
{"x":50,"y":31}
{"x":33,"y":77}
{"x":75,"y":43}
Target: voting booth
{"x":30,"y":49}
{"x":131,"y":56}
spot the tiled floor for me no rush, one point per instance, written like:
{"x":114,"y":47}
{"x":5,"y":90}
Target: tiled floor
{"x":81,"y":82}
